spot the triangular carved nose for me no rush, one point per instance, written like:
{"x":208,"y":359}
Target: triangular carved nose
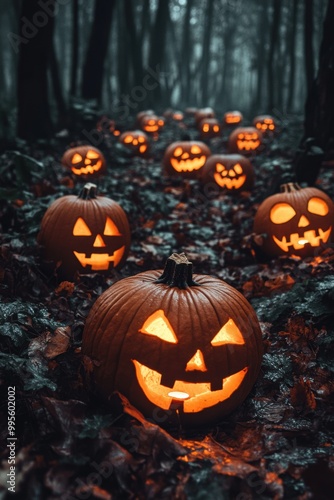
{"x":99,"y":241}
{"x":303,"y":221}
{"x":196,"y":362}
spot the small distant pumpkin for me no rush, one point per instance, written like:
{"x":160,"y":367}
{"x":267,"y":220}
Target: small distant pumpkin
{"x":185,"y":158}
{"x":202,"y":113}
{"x":173,"y":115}
{"x":152,"y":124}
{"x":296,"y":221}
{"x":232,"y":118}
{"x":245,"y":140}
{"x":136,"y":141}
{"x":209,"y":128}
{"x":265,"y":123}
{"x":167,"y":339}
{"x":85,"y":233}
{"x":232,"y":173}
{"x":85,"y":162}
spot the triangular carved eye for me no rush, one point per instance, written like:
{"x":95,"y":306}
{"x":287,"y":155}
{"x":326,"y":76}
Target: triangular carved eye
{"x":76,"y":158}
{"x":92,"y":155}
{"x":228,"y":334}
{"x":158,"y":325}
{"x":81,"y":228}
{"x":110,"y":228}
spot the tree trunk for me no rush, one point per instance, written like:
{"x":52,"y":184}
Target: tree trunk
{"x":319,"y":110}
{"x":34,"y":120}
{"x":274,"y":37}
{"x":186,"y":55}
{"x":135,"y":48}
{"x":93,"y":70}
{"x":292,"y":55}
{"x":206,"y":52}
{"x":158,"y":47}
{"x":308,"y":43}
{"x":261,"y":58}
{"x":75,"y":47}
{"x":57,"y":87}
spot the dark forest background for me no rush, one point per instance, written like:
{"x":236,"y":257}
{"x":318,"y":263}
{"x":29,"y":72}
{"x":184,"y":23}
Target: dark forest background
{"x":253,"y":55}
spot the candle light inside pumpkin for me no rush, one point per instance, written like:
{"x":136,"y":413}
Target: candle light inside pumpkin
{"x":179,"y":395}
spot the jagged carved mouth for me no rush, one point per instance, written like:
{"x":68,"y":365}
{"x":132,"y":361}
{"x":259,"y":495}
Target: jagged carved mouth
{"x":200,"y":395}
{"x":233,"y":119}
{"x":88,"y":169}
{"x":151,"y":128}
{"x":188,"y":165}
{"x":235,"y":183}
{"x":247,"y":145}
{"x":100,"y":261}
{"x":297,"y":241}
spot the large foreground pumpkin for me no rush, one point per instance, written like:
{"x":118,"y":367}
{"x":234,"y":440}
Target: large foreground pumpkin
{"x":168,"y":340}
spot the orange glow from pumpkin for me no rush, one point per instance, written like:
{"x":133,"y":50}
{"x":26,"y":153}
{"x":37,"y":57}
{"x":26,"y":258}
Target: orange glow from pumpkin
{"x":200,"y":394}
{"x":196,"y":362}
{"x":158,"y":325}
{"x":281,"y":213}
{"x":228,"y":334}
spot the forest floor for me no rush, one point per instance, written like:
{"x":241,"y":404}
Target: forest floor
{"x":70,"y":444}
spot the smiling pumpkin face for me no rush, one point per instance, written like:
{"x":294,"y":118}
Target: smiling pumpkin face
{"x":232,"y":118}
{"x":296,"y":221}
{"x":245,"y":140}
{"x":85,"y":233}
{"x":194,"y":344}
{"x":136,"y":141}
{"x":152,"y":123}
{"x":231,"y":173}
{"x":265,"y":124}
{"x":185,"y":158}
{"x":84,"y":161}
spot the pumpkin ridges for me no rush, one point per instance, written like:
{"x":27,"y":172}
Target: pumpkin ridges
{"x":174,"y":302}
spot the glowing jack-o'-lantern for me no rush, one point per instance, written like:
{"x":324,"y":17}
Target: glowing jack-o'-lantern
{"x":296,"y":221}
{"x":136,"y":141}
{"x":152,"y":123}
{"x":209,"y":128}
{"x":85,"y":233}
{"x":245,"y":140}
{"x":265,"y":123}
{"x":232,"y":173}
{"x":232,"y":118}
{"x":185,"y":158}
{"x":84,"y":161}
{"x":170,"y":339}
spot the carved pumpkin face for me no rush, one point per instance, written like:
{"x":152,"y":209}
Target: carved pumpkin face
{"x":230,"y":172}
{"x":232,"y":118}
{"x":85,"y":234}
{"x":84,"y":161}
{"x":245,"y":140}
{"x":296,"y":221}
{"x":185,"y":158}
{"x":265,"y":123}
{"x":209,"y":128}
{"x":192,"y":343}
{"x":151,"y":123}
{"x":136,"y":141}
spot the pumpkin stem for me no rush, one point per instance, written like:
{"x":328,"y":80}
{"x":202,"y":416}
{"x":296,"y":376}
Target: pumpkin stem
{"x":178,"y":272}
{"x":289,"y":187}
{"x":88,"y":192}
